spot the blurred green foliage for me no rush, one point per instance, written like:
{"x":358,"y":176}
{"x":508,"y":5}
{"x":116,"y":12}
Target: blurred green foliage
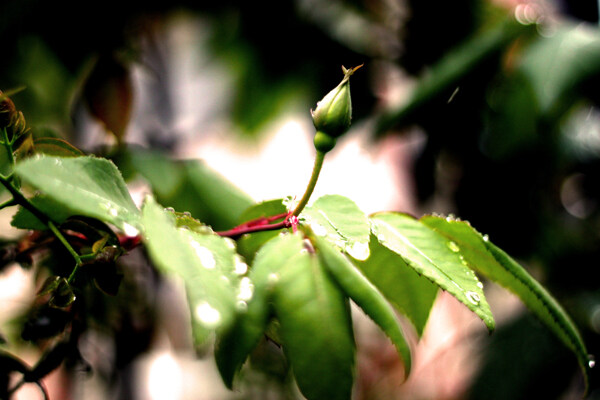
{"x":510,"y":109}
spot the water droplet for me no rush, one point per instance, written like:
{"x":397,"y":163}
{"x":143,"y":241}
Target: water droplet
{"x":207,"y":259}
{"x":358,"y":250}
{"x":169,"y":209}
{"x":242,"y":306}
{"x":246,"y":289}
{"x":273,"y":279}
{"x":130,"y":230}
{"x":207,"y":315}
{"x":480,"y":285}
{"x":453,"y":246}
{"x":486,"y":238}
{"x":230,"y":243}
{"x":111,"y":209}
{"x":473,"y":297}
{"x":240,"y":266}
{"x":451,"y":217}
{"x":591,"y":361}
{"x":204,"y":230}
{"x":318,"y":229}
{"x":187,"y":214}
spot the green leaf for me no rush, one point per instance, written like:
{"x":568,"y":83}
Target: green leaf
{"x":235,"y":344}
{"x":23,"y":219}
{"x":411,"y":294}
{"x":221,"y":199}
{"x":435,"y":257}
{"x":186,"y":221}
{"x":56,"y":147}
{"x":163,"y":174}
{"x":493,"y":263}
{"x":205,"y":263}
{"x":60,"y":290}
{"x":192,"y":186}
{"x":249,"y":244}
{"x":341,"y":222}
{"x":267,"y":208}
{"x":559,"y":64}
{"x":315,"y":326}
{"x":358,"y":288}
{"x":88,"y":186}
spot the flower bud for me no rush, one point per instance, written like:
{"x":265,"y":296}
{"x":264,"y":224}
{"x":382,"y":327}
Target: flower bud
{"x":334,"y":112}
{"x":7,"y":111}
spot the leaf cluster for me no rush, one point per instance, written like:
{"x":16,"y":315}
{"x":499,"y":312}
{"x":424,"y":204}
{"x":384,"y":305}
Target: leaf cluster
{"x":293,"y":285}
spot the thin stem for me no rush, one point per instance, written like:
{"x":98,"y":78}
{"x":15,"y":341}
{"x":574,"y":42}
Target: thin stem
{"x":16,"y":387}
{"x":8,"y":147}
{"x":262,"y":224}
{"x":18,"y":198}
{"x":8,"y":203}
{"x":311,"y":184}
{"x":67,"y":245}
{"x":241,"y":230}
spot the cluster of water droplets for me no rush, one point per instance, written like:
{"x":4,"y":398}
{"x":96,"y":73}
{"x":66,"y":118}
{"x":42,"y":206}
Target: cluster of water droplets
{"x":357,"y":249}
{"x":119,"y":219}
{"x":244,"y":294}
{"x":473,"y":297}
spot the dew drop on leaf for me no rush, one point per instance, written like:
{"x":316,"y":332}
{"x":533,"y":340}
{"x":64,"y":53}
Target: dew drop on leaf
{"x":246,"y":289}
{"x":229,"y":242}
{"x":207,"y":315}
{"x":358,"y":250}
{"x":591,"y":361}
{"x":240,"y":266}
{"x":273,"y":279}
{"x":242,"y":306}
{"x":319,"y":230}
{"x":207,"y":259}
{"x":130,"y":230}
{"x":486,"y":238}
{"x":473,"y":297}
{"x":453,"y":246}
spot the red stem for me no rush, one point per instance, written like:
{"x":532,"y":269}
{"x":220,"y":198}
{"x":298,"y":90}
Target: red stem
{"x":258,"y":225}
